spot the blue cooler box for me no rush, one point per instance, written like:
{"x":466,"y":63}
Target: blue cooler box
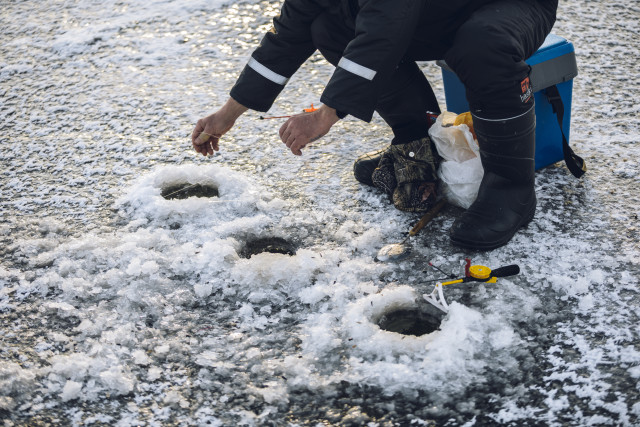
{"x":553,"y":64}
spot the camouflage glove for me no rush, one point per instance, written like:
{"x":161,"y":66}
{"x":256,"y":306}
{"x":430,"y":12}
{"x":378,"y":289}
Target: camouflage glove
{"x":415,"y":165}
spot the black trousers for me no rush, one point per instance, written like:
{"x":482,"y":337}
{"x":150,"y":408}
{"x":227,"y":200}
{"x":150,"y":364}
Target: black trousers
{"x":408,"y":94}
{"x":487,"y":51}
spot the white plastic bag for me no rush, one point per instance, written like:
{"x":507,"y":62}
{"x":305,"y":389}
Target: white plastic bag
{"x":460,"y":171}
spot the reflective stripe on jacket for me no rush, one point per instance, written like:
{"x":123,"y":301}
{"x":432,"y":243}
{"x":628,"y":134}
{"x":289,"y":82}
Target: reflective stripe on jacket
{"x":385,"y":31}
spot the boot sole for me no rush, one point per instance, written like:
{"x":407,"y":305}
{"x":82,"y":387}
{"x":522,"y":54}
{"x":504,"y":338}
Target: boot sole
{"x":484,"y":246}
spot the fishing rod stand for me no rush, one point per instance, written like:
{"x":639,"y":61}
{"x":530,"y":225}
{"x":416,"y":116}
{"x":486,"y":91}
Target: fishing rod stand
{"x":436,"y":298}
{"x":473,"y":273}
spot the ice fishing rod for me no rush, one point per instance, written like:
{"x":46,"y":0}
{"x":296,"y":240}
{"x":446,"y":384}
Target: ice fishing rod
{"x":305,"y":110}
{"x":477,"y":273}
{"x":480,"y":273}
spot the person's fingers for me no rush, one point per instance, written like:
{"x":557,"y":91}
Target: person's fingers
{"x":297,"y":149}
{"x":285,"y":133}
{"x":298,"y":145}
{"x":214,"y":144}
{"x":199,"y":145}
{"x":206,"y":143}
{"x":294,"y":133}
{"x":211,"y":146}
{"x":283,"y":128}
{"x":197,"y":131}
{"x":194,"y":135}
{"x":288,"y":138}
{"x":290,"y":145}
{"x":197,"y":148}
{"x":295,"y":141}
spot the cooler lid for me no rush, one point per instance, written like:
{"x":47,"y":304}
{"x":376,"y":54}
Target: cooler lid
{"x":552,"y":47}
{"x":553,"y":63}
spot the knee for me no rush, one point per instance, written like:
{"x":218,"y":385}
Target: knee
{"x":329,"y":37}
{"x":319,"y":33}
{"x":481,"y":48}
{"x":487,"y":59}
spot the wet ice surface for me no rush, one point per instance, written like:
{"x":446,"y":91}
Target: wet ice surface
{"x":121,"y":307}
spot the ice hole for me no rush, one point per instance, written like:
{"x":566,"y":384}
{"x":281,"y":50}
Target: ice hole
{"x":186,"y":190}
{"x":274,"y":245}
{"x":412,"y":321}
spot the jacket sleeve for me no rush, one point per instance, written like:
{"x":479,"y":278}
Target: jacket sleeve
{"x":384,"y":30}
{"x":280,"y":53}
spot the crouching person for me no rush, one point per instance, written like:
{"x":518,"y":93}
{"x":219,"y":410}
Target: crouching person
{"x":374,"y":46}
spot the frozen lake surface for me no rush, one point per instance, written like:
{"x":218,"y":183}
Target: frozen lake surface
{"x":120,"y":307}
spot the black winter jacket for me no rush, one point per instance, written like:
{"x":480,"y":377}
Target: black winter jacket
{"x":386,"y":31}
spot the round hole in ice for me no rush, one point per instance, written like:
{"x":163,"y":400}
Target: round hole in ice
{"x":274,"y":245}
{"x":186,"y":190}
{"x":411,"y":321}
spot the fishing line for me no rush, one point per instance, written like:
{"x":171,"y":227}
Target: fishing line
{"x":451,"y":275}
{"x":304,"y":110}
{"x":182,"y":189}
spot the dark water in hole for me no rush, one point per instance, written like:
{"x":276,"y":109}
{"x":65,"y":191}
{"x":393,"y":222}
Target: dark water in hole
{"x":274,"y":245}
{"x":186,"y":190}
{"x":415,"y":322}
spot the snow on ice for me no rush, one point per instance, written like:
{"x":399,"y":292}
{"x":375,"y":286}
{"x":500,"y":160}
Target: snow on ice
{"x":124,"y":308}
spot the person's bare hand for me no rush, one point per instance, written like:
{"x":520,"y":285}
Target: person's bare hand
{"x":302,"y":129}
{"x":206,"y":135}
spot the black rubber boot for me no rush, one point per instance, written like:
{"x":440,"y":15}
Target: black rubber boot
{"x":506,"y":199}
{"x":364,"y":165}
